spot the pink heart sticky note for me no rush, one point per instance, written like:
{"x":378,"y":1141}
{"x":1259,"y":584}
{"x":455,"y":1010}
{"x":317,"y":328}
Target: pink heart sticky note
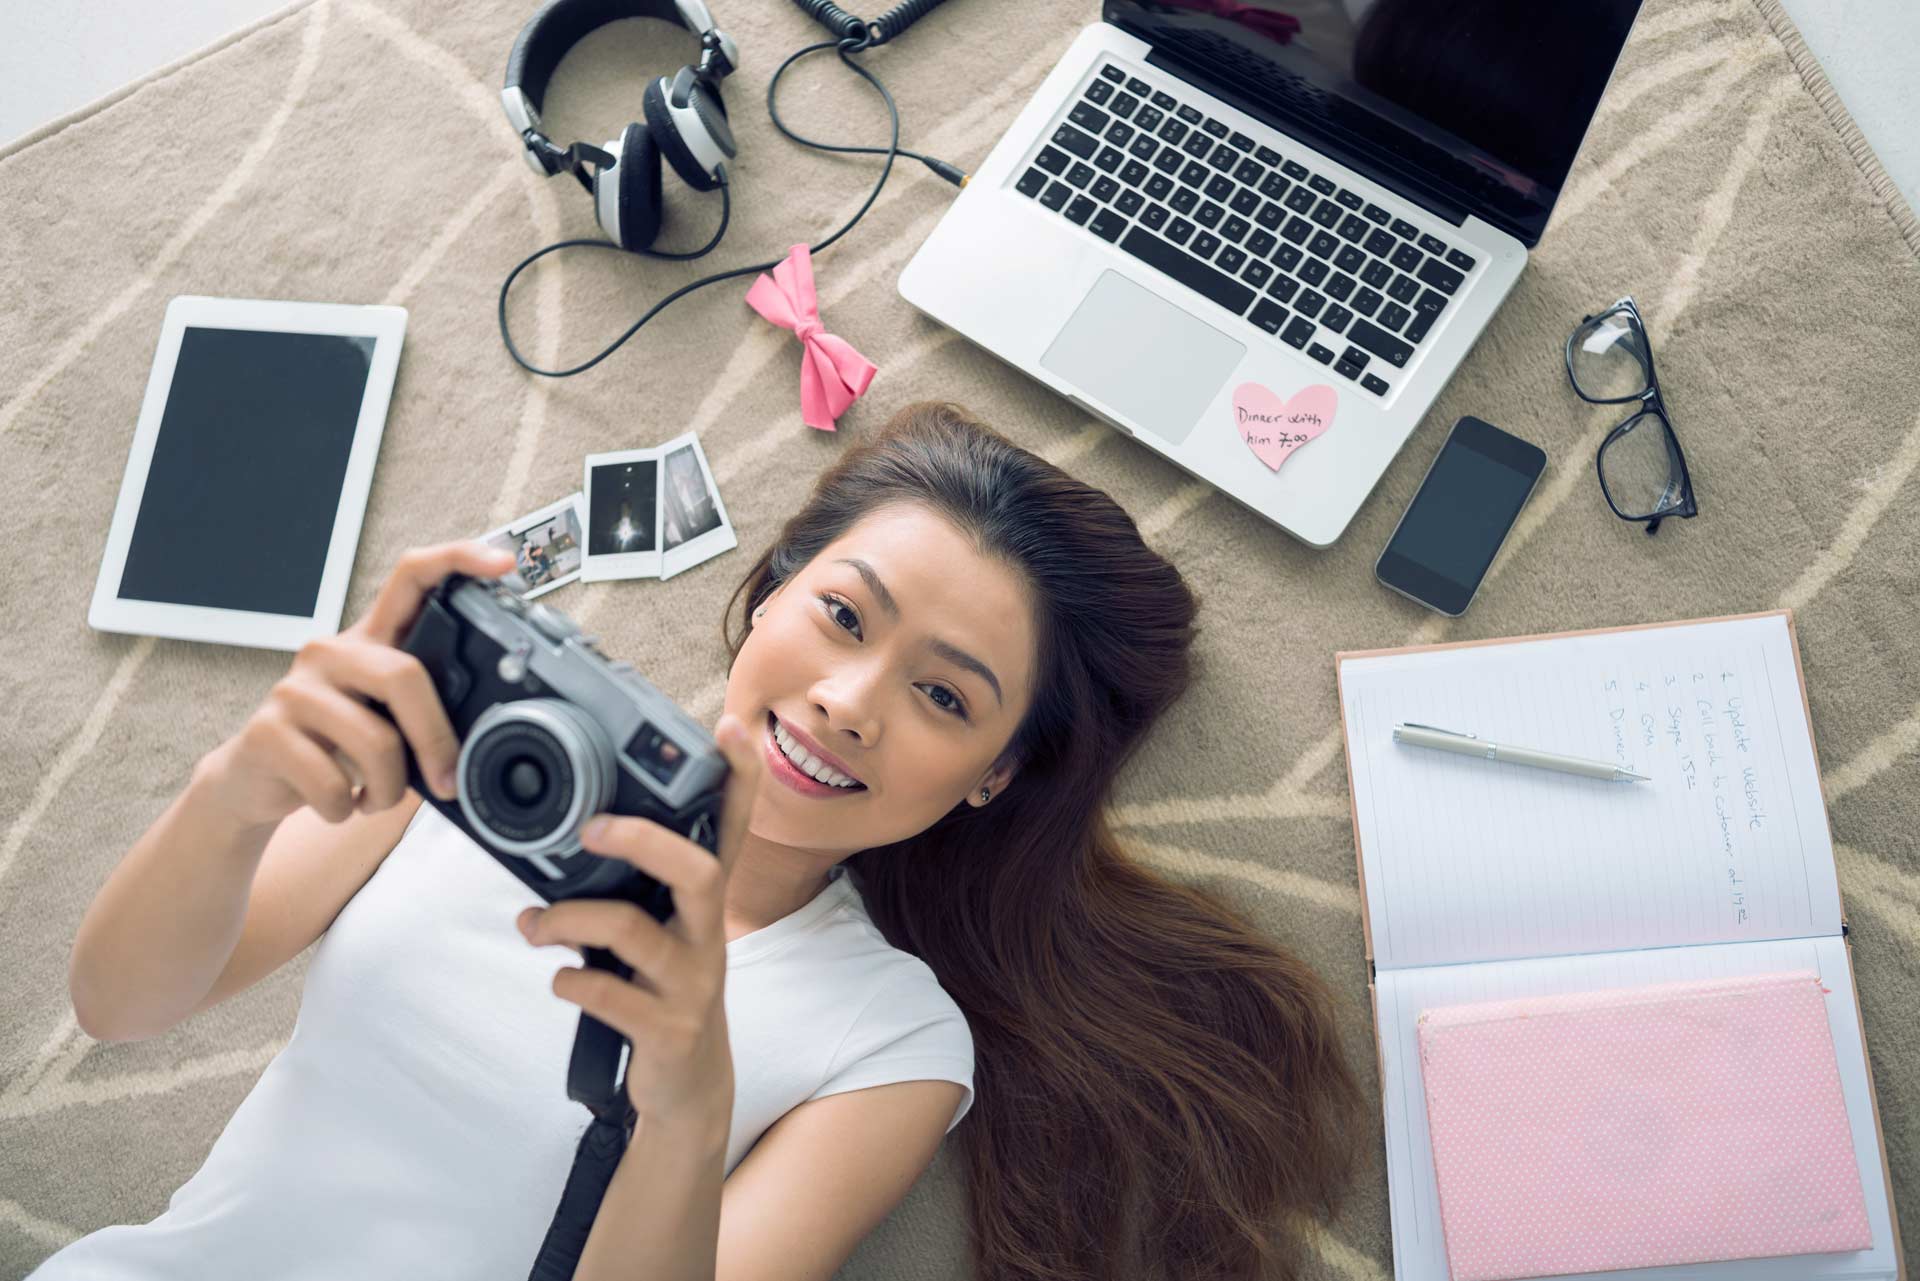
{"x":1273,"y":428}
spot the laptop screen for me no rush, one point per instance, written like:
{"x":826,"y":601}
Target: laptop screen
{"x":1467,"y":106}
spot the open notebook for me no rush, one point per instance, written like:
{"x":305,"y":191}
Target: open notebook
{"x":1484,"y":881}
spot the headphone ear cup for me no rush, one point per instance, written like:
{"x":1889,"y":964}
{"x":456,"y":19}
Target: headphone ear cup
{"x":638,"y":193}
{"x":667,"y":135}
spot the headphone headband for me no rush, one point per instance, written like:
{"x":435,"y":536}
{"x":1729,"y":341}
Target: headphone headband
{"x":560,"y":25}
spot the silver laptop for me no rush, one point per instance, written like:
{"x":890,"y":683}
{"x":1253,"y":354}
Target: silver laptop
{"x":1208,"y":209}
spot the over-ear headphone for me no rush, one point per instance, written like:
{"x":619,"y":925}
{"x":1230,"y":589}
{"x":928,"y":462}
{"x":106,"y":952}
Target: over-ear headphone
{"x":685,"y":118}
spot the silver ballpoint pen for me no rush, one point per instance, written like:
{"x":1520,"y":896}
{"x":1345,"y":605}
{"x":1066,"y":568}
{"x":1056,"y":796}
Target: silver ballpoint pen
{"x":1447,"y":740}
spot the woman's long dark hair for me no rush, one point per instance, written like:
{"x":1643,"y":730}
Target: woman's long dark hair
{"x":1159,"y":1088}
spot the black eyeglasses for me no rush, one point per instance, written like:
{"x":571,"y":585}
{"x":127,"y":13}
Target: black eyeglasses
{"x":1643,"y":474}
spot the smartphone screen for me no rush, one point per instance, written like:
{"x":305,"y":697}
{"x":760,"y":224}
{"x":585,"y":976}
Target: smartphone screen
{"x":1454,"y":525}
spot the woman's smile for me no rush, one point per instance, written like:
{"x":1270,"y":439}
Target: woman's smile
{"x":795,"y":761}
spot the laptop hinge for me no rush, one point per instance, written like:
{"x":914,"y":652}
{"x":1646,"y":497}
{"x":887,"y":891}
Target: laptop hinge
{"x":1379,"y":166}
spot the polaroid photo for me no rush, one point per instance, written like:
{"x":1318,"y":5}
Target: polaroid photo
{"x":623,"y":515}
{"x":693,"y":521}
{"x":547,"y":546}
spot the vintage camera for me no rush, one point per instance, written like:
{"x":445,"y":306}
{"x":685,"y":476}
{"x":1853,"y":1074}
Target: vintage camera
{"x":551,"y":733}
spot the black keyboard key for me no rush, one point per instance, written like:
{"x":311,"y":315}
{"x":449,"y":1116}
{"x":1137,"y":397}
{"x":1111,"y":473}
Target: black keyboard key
{"x":1159,"y":186}
{"x":1366,"y":302}
{"x":1240,"y":140}
{"x":1245,"y":201}
{"x":1118,"y":132}
{"x":1321,"y":353}
{"x":1433,"y":244}
{"x":1219,"y":187}
{"x":1286,"y":257}
{"x":1133,"y":173}
{"x":1354,"y":228}
{"x":1089,"y":117}
{"x":1273,"y":186}
{"x":1257,"y":273}
{"x":1167,"y":161}
{"x":1430,"y":301}
{"x":1163,"y":100}
{"x":1283,"y":288}
{"x":1309,"y":303}
{"x":1326,"y":213}
{"x":1172,"y":132}
{"x":1379,"y":342}
{"x":1270,"y":216}
{"x":1268,"y":316}
{"x":1197,"y":276}
{"x":1081,"y":209}
{"x":1392,"y":316}
{"x":1403,"y":289}
{"x":1053,"y":160}
{"x":1234,"y":230}
{"x":1184,"y":200}
{"x":1224,"y":158}
{"x":1376,"y":273}
{"x":1248,"y":172}
{"x":1149,"y":117}
{"x":1351,"y":199}
{"x":1313,"y":271}
{"x":1105,"y":189}
{"x":1374,"y":213}
{"x":1294,"y":170}
{"x":1262,"y":242}
{"x":1080,"y":175}
{"x":1301,"y":200}
{"x":1130,"y":202}
{"x":1417,"y":327}
{"x":1407,"y":258}
{"x":1154,"y":217}
{"x":1108,"y":160}
{"x":1404,"y":229}
{"x":1144,"y":147}
{"x":1194,"y":174}
{"x":1189,"y":114}
{"x":1347,"y":370}
{"x":1179,"y":231}
{"x":1380,"y":243}
{"x":1214,"y":127}
{"x":1457,"y":259}
{"x":1298,"y":333}
{"x":1099,"y":91}
{"x":1113,"y":73}
{"x":1322,"y":185}
{"x":1440,"y":276}
{"x":1323,"y":244}
{"x":1209,"y":214}
{"x":1204,"y":244}
{"x":1349,"y":259}
{"x":1067,"y":138}
{"x":1230,"y":258}
{"x":1197,"y":145}
{"x":1107,"y":225}
{"x":1375,"y":384}
{"x":1032,"y":182}
{"x":1338,"y":286}
{"x":1336,"y":318}
{"x":1138,"y":87}
{"x":1266,"y":155}
{"x":1354,"y":356}
{"x":1296,"y":230}
{"x":1055,"y":196}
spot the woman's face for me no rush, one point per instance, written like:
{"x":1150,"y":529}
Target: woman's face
{"x":904,"y":657}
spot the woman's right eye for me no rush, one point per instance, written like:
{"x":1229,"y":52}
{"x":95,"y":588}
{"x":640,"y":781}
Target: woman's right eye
{"x":837,"y":607}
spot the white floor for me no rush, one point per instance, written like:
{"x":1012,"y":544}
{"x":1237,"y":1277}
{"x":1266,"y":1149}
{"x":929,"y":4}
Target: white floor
{"x":58,"y":57}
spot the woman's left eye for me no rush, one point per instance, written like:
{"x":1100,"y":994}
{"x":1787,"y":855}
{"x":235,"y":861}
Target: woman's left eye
{"x":943,"y":698}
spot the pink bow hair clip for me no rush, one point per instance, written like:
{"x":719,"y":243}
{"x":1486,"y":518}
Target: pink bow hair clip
{"x":832,"y":373}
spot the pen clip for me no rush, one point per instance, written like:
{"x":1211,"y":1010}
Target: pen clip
{"x":1436,"y":729}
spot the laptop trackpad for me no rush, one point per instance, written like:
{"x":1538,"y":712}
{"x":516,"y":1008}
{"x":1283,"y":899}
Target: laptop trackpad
{"x":1145,"y":357}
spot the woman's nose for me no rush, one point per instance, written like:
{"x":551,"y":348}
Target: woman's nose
{"x":849,"y":706}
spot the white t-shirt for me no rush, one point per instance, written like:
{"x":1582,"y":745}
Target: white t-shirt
{"x":417,"y":1123}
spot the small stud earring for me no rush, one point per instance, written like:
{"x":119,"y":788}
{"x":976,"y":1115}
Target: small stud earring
{"x":760,"y":611}
{"x":984,"y":795}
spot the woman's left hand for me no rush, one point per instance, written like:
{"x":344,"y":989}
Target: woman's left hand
{"x":671,"y":1009}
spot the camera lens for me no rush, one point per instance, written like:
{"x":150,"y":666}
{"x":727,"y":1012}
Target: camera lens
{"x":531,"y":772}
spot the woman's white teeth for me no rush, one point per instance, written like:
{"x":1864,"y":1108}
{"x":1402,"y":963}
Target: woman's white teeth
{"x":806,"y":762}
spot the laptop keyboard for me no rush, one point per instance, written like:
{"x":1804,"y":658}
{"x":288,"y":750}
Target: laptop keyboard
{"x":1324,"y":269}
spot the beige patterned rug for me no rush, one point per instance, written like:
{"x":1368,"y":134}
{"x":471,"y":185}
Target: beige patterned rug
{"x":354,"y":150}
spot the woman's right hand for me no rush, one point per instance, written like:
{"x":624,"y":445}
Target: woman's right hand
{"x":290,"y":751}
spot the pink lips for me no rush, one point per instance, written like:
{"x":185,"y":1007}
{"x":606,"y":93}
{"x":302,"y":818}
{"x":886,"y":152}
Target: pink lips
{"x":783,"y":768}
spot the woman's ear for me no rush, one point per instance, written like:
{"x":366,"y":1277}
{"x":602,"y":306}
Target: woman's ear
{"x":993,"y":782}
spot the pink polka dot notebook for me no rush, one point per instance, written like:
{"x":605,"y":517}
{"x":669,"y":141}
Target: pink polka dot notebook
{"x":1641,"y":1126}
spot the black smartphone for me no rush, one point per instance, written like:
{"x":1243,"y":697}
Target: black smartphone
{"x":1449,"y":533}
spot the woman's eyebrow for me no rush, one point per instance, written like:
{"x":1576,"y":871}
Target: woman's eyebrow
{"x":953,"y":654}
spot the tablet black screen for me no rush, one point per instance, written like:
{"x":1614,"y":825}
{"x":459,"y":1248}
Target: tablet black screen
{"x":247,"y":469}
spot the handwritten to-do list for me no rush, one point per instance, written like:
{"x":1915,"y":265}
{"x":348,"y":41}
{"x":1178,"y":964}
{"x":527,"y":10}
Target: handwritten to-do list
{"x":1492,"y":860}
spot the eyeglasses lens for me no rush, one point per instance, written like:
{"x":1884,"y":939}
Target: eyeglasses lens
{"x":1609,"y":360}
{"x":1638,"y":467}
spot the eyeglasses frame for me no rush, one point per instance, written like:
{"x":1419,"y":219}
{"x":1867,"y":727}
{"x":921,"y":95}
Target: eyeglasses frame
{"x":1647,"y":400}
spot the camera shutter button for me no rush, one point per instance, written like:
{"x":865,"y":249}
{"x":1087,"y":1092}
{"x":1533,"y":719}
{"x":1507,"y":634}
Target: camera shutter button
{"x":556,"y":625}
{"x":513,"y":663}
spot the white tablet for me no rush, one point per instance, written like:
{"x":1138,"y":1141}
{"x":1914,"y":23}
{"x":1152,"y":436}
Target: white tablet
{"x":248,"y":477}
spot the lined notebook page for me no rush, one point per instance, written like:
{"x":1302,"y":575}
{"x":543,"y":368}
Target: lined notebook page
{"x":1472,"y":860}
{"x":1419,"y":1244}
